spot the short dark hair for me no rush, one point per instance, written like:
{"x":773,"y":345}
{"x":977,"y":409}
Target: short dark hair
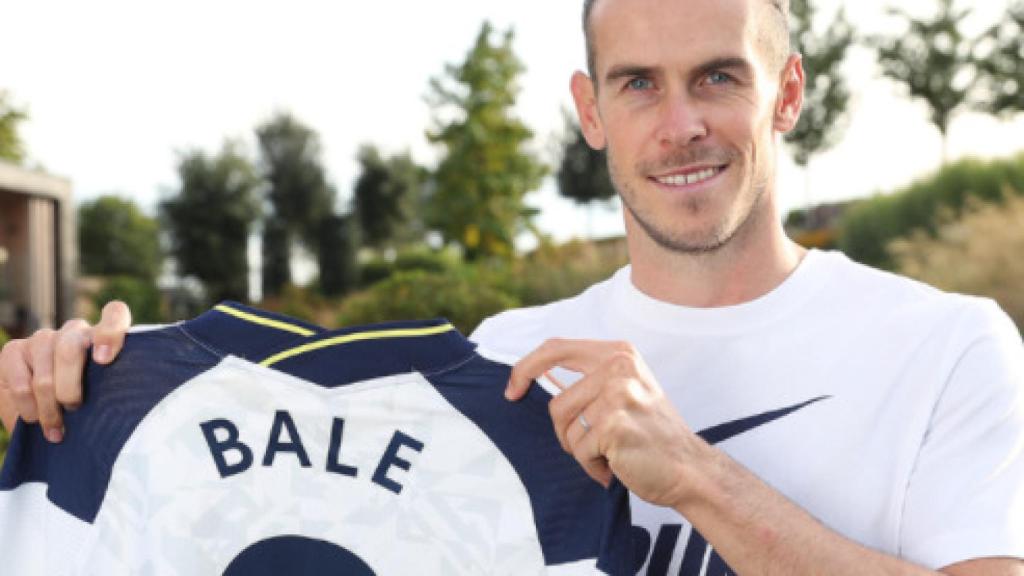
{"x":775,"y":38}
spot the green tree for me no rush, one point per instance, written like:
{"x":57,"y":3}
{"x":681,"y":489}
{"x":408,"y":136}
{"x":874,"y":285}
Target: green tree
{"x":210,"y":219}
{"x":583,"y":171}
{"x":141,"y":295}
{"x":12,"y":148}
{"x":298,"y":191}
{"x":826,"y":95}
{"x":485,"y":170}
{"x":116,"y":239}
{"x":1002,"y":61}
{"x":388,"y":198}
{"x":336,"y":255}
{"x":934,"y":61}
{"x":276,"y":257}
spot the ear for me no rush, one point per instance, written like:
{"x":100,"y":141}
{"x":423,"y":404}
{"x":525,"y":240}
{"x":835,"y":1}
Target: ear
{"x":790,"y":99}
{"x":585,"y":97}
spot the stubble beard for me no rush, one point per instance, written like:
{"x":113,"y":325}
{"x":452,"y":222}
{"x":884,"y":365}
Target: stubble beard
{"x":688,"y":242}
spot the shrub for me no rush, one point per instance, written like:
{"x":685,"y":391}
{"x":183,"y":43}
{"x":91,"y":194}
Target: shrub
{"x":462,"y":297}
{"x":420,"y":258}
{"x":978,"y":253}
{"x":555,"y":272}
{"x":868,"y":227}
{"x":141,"y":296}
{"x":302,"y":303}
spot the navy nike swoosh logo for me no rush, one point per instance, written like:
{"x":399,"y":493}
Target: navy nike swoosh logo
{"x":723,"y":432}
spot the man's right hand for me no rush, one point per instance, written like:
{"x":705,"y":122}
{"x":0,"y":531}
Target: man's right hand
{"x":42,"y":374}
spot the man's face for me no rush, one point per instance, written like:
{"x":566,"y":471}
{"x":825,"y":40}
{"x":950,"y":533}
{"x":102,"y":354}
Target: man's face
{"x":687,"y":101}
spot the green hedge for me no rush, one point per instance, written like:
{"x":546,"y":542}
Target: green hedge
{"x":141,"y":296}
{"x":463,"y":297}
{"x":868,"y":226}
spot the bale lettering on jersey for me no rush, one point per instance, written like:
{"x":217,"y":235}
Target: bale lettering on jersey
{"x":284,"y":438}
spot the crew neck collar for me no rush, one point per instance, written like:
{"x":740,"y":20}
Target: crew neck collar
{"x":329,"y":357}
{"x":635,"y":306}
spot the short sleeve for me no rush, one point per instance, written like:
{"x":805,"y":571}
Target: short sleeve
{"x":965,"y":498}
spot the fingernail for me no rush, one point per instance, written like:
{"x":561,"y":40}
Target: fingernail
{"x":54,"y":435}
{"x":102,"y":353}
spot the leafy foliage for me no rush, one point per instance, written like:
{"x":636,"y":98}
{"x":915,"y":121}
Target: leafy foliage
{"x":430,"y":285}
{"x":297,"y":190}
{"x":583,"y":171}
{"x":933,"y":61}
{"x":1002,"y":60}
{"x":12,"y":148}
{"x":554,"y":272}
{"x":869,"y":225}
{"x":276,"y":257}
{"x":978,"y":253}
{"x":463,"y":298}
{"x":485,"y":170}
{"x":141,"y":295}
{"x":388,"y":198}
{"x":826,"y":95}
{"x":336,"y":255}
{"x":409,"y":259}
{"x":116,"y":239}
{"x":210,"y":218}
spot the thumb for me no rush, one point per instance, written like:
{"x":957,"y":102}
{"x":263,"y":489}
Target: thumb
{"x":108,"y":334}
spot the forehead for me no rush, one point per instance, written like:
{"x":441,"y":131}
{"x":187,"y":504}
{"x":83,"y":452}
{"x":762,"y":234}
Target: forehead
{"x":672,"y":33}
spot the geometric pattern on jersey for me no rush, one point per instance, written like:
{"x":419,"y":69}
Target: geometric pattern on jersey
{"x":243,"y":442}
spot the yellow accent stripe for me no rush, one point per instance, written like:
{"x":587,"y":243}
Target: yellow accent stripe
{"x":264,"y":321}
{"x":345,"y":339}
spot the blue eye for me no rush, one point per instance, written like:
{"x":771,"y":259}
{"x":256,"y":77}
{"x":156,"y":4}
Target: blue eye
{"x":640,"y":84}
{"x":718,"y":78}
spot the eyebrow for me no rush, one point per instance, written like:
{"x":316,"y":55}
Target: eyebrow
{"x":628,"y":71}
{"x":735,"y":63}
{"x":636,"y":70}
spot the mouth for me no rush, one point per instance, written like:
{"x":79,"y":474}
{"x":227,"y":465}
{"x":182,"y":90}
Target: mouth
{"x":690,"y":176}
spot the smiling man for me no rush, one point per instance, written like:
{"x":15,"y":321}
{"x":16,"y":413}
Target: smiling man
{"x":773,"y":410}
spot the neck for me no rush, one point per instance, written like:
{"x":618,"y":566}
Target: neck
{"x":757,"y":259}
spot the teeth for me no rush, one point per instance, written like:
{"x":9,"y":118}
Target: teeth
{"x":693,"y":178}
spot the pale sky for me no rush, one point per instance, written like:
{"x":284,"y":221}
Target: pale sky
{"x":116,"y":87}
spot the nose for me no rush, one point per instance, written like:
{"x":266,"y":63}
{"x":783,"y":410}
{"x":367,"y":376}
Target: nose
{"x":681,"y":122}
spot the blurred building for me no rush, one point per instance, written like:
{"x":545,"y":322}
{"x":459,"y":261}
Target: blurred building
{"x":38,"y":253}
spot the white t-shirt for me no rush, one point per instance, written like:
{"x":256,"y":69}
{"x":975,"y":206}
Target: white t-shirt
{"x":891,"y":411}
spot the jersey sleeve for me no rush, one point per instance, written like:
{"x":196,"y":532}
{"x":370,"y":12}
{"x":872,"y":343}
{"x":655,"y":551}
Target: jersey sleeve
{"x":965,"y":498}
{"x":50,"y":493}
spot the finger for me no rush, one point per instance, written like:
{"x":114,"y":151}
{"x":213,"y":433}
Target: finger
{"x":576,"y":355}
{"x":8,"y":413}
{"x":72,"y":345}
{"x":579,"y":427}
{"x":108,"y":334}
{"x":41,"y":352}
{"x":580,"y":398}
{"x":14,"y":365}
{"x":588,"y":453}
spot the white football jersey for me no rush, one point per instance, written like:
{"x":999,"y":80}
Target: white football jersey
{"x":247,"y":443}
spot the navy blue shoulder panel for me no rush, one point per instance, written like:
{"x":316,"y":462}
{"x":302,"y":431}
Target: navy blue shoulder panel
{"x":567,"y":504}
{"x":77,"y":471}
